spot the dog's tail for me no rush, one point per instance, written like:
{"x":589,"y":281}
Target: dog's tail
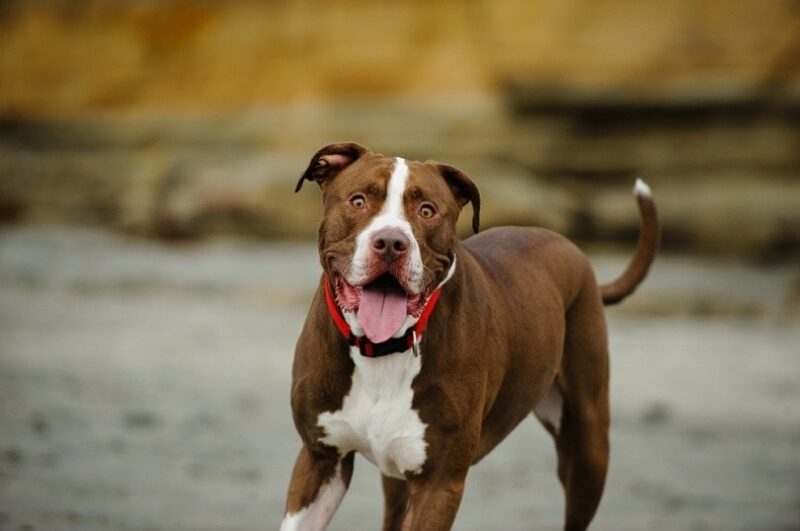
{"x":649,"y":238}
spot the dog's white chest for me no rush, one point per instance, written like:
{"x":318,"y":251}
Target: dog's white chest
{"x":376,"y":418}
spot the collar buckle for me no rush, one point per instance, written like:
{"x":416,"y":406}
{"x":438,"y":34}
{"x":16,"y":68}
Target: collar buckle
{"x":414,"y":343}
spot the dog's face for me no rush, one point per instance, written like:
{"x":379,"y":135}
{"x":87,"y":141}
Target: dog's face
{"x":387,"y":235}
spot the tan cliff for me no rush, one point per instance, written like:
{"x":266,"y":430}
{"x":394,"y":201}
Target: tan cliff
{"x":186,"y":118}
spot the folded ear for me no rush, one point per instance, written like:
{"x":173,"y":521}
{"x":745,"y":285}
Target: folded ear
{"x":329,"y":161}
{"x":464,"y":190}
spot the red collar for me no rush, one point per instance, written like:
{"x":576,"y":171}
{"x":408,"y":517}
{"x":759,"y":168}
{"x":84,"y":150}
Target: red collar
{"x":367,"y":348}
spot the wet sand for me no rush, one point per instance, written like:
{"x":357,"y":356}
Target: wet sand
{"x":145,"y":387}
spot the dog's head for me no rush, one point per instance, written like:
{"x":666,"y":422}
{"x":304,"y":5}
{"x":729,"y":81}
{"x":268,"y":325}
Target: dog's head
{"x":388,"y":232}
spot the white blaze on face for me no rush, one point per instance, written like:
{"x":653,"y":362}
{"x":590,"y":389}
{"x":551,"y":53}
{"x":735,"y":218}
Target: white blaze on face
{"x":391,"y":215}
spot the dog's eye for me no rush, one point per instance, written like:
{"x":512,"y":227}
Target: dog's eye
{"x":427,"y":211}
{"x":358,"y":201}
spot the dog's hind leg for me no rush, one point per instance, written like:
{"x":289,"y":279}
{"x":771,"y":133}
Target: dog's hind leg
{"x":395,"y":494}
{"x":576,"y":410}
{"x":582,"y":447}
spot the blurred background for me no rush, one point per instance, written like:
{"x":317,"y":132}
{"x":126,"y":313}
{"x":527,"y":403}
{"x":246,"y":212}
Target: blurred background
{"x":155,"y":266}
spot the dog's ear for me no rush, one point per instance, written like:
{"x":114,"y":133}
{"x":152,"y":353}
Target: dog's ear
{"x":329,"y":161}
{"x":464,"y":190}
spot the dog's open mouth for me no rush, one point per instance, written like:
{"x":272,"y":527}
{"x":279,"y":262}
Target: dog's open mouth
{"x":382,"y":309}
{"x":381,"y":306}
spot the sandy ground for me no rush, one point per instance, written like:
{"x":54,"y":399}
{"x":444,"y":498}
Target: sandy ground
{"x":145,"y":387}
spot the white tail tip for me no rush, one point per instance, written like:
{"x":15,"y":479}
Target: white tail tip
{"x":641,"y":189}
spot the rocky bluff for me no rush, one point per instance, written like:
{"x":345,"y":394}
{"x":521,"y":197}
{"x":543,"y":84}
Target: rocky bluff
{"x":181,"y":119}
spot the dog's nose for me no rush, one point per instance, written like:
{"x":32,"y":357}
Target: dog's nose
{"x":390,"y":243}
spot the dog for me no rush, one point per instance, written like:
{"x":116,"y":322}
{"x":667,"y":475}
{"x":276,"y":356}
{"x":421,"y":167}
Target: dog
{"x":422,"y":352}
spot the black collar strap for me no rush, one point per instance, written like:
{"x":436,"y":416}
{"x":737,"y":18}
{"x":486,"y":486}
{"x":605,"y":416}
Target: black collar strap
{"x":390,"y":346}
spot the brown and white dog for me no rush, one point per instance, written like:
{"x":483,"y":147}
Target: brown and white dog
{"x":423,"y":352}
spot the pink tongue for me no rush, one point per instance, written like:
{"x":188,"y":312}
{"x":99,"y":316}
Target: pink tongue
{"x":382,"y":310}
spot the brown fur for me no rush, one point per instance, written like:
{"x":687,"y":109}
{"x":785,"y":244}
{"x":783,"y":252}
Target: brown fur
{"x":522,"y":312}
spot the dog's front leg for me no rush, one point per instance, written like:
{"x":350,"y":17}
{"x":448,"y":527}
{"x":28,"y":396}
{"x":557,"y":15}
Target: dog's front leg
{"x":434,"y":501}
{"x":319,"y":482}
